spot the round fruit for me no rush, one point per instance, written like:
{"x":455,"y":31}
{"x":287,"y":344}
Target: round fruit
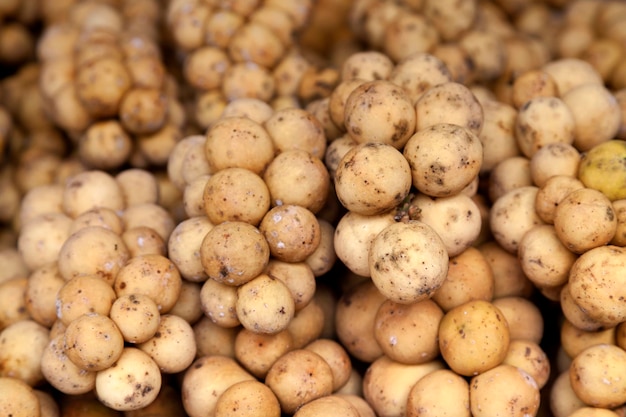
{"x":603,"y":168}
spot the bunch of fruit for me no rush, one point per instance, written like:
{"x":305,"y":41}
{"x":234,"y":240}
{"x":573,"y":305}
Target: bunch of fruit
{"x":361,"y":208}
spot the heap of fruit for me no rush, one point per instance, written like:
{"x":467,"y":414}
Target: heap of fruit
{"x":358,"y":208}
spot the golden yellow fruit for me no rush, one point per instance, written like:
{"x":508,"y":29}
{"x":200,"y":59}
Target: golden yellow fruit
{"x":603,"y":168}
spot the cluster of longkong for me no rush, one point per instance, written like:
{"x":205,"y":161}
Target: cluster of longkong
{"x":313,"y":207}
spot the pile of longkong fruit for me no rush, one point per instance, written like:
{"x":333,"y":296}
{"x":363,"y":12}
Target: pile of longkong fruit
{"x":349,"y":208}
